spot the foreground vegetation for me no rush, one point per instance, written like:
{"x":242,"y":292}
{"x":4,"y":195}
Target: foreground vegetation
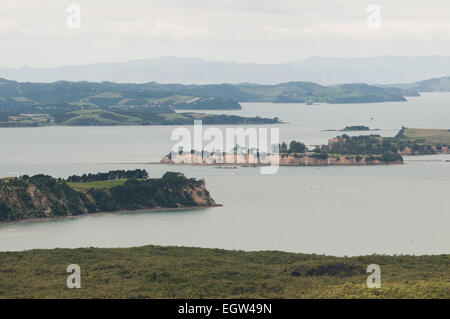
{"x":177,"y":272}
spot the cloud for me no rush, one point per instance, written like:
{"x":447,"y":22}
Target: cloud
{"x":158,"y":30}
{"x":242,"y":30}
{"x":424,"y":30}
{"x":10,"y":27}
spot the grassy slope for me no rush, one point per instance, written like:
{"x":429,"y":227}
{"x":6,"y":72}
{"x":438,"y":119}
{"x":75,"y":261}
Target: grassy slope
{"x":106,"y":117}
{"x":430,"y":136}
{"x":101,"y":117}
{"x":97,"y":185}
{"x":170,"y":272}
{"x":173,"y":116}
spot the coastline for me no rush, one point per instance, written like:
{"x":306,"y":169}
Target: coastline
{"x":260,"y":165}
{"x":141,"y":210}
{"x":234,"y":165}
{"x":288,"y":160}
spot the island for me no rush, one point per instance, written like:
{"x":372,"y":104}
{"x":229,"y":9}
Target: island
{"x":354,"y":128}
{"x":41,"y":196}
{"x":342,"y":150}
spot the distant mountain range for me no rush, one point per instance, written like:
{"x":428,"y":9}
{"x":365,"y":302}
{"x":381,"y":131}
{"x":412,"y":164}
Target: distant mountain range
{"x":375,"y":70}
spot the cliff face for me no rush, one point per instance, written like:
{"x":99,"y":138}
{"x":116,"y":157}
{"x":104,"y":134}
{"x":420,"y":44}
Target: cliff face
{"x":284,"y":160}
{"x":44,"y":196}
{"x":40,"y":197}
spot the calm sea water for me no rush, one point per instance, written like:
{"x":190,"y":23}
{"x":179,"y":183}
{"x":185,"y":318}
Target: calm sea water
{"x":332,"y":210}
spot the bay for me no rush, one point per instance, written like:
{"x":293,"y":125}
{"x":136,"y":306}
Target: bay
{"x":397,"y":209}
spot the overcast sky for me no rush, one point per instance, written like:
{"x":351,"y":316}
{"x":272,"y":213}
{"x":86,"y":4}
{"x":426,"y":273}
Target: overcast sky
{"x":36,"y":33}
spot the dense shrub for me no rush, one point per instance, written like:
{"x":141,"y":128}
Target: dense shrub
{"x":329,"y":269}
{"x":390,"y":157}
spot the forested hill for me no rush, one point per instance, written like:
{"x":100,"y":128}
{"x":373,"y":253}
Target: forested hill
{"x":108,"y":103}
{"x":62,"y":96}
{"x":42,"y":196}
{"x":298,"y":92}
{"x":65,"y":96}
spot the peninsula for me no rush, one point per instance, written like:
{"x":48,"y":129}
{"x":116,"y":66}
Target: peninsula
{"x":42,"y":196}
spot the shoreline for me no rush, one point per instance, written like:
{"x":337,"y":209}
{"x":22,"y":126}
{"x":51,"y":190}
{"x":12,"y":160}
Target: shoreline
{"x":258,"y":165}
{"x":356,"y":131}
{"x":223,"y":165}
{"x":262,"y":165}
{"x":141,"y":210}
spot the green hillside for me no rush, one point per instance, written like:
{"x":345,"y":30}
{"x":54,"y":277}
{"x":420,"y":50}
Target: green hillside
{"x":107,"y":103}
{"x":426,"y":136}
{"x":63,"y":96}
{"x":96,"y":117}
{"x":298,"y":92}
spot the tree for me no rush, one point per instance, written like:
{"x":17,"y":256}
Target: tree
{"x":297,"y":147}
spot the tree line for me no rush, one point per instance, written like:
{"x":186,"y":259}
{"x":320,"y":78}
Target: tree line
{"x":111,"y":175}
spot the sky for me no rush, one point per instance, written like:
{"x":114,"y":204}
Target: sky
{"x":58,"y":32}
